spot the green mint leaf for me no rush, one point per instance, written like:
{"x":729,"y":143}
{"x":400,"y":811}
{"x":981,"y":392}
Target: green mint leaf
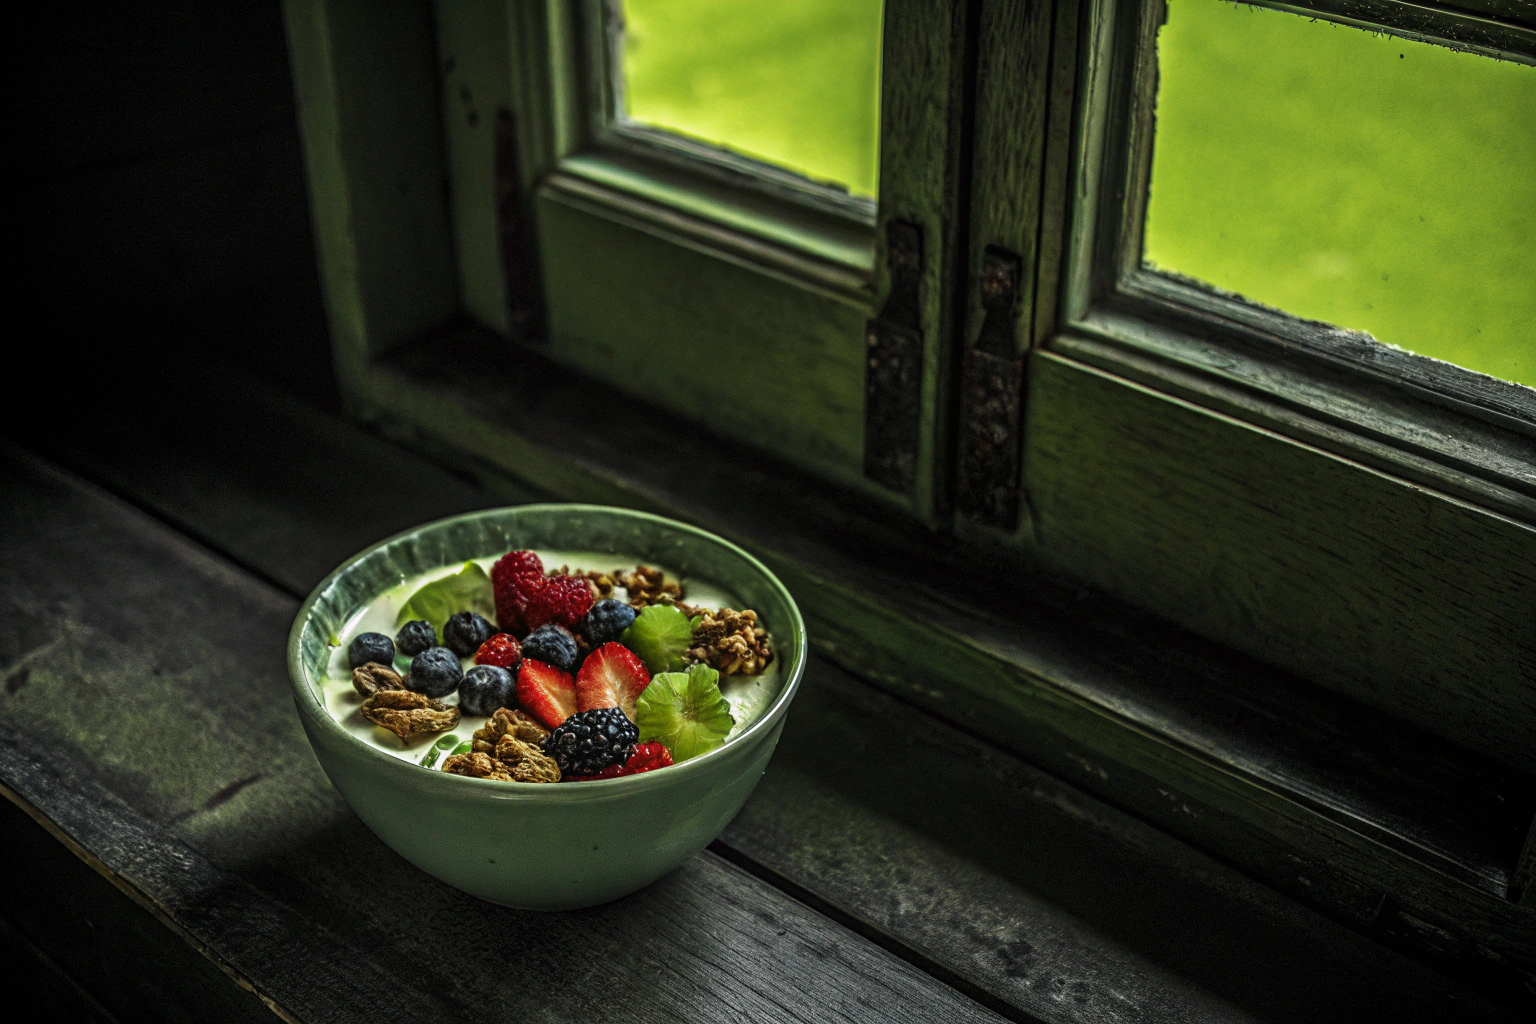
{"x":685,"y":711}
{"x":660,"y":634}
{"x":468,"y":590}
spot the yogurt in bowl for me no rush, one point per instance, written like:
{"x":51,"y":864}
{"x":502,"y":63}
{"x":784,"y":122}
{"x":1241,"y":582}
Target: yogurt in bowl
{"x":746,"y":694}
{"x":529,"y":844}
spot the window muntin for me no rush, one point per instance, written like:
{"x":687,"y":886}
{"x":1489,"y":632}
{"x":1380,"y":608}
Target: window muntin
{"x":1371,"y":181}
{"x":795,"y":83}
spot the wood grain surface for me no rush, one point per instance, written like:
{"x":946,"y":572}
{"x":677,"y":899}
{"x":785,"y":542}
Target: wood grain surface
{"x":147,"y":716}
{"x":1027,"y":894}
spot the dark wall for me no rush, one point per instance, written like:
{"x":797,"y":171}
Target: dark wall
{"x":159,"y":178}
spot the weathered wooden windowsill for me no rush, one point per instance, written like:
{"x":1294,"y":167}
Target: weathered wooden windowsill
{"x":1402,"y":835}
{"x":890,"y":866}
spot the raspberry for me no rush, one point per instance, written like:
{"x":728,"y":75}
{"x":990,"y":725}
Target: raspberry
{"x":563,"y":600}
{"x":501,"y":650}
{"x":514,"y":578}
{"x":648,"y":757}
{"x":518,"y":563}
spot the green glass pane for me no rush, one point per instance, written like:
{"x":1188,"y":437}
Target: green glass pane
{"x":1365,"y":180}
{"x":791,"y":82}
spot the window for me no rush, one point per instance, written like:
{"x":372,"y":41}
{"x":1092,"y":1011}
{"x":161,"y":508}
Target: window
{"x":1375,"y":182}
{"x":795,"y":84}
{"x":1355,"y":512}
{"x":699,"y":183}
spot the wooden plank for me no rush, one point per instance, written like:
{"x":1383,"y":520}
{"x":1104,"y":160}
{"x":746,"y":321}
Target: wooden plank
{"x":819,"y":826}
{"x":147,"y":719}
{"x":102,"y":952}
{"x":1394,"y":595}
{"x":1036,"y":893}
{"x":283,"y":488}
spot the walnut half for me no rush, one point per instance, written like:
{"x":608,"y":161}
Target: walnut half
{"x":512,"y":760}
{"x":477,"y":766}
{"x":526,"y":762}
{"x":731,"y":642}
{"x":368,"y":679}
{"x":508,"y":722}
{"x":407,"y":713}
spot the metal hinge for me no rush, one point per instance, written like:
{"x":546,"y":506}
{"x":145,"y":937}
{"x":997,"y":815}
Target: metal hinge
{"x":991,"y":382}
{"x":893,"y":382}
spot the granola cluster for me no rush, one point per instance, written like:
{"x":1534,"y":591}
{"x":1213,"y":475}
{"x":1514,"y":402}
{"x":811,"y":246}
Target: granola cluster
{"x":643,"y":585}
{"x":647,"y":586}
{"x":730,"y":642}
{"x":512,"y":740}
{"x":407,"y":713}
{"x":515,"y":723}
{"x":581,"y":658}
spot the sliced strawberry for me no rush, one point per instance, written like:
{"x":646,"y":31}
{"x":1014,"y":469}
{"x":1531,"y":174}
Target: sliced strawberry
{"x":546,"y":693}
{"x":611,"y":677}
{"x":647,"y":758}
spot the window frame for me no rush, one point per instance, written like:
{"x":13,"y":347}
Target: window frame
{"x":1468,"y":433}
{"x":805,"y":244}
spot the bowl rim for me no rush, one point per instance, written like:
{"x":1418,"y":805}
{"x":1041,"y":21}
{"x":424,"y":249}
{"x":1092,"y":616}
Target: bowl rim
{"x":312,"y":709}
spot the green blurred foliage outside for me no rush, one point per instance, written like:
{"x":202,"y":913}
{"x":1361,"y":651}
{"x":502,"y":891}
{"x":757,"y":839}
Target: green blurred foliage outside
{"x":1365,"y":180}
{"x":792,"y":82}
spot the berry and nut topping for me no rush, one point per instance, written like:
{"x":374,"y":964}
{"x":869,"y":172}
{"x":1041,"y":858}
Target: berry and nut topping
{"x":574,"y":675}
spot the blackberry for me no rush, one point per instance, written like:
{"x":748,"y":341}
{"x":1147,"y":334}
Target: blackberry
{"x":415,"y":636}
{"x":607,"y":621}
{"x":484,"y":689}
{"x":435,"y":672}
{"x":590,"y":741}
{"x":465,"y":632}
{"x":368,"y":647}
{"x":553,"y":645}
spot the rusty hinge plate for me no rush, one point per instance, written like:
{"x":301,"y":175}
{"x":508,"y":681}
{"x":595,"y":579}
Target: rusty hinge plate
{"x":893,"y":381}
{"x":991,"y":385}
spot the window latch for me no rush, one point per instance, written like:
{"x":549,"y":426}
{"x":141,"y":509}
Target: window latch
{"x":893,"y":380}
{"x":991,"y":382}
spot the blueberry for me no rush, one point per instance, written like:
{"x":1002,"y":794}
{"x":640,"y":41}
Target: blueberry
{"x":465,"y":632}
{"x":435,"y":672}
{"x":370,"y":647}
{"x":484,"y":689}
{"x":607,"y":621}
{"x":415,"y":636}
{"x":553,"y":645}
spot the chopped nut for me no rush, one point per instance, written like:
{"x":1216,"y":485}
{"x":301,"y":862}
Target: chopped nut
{"x":508,"y":722}
{"x":526,"y":762}
{"x":371,"y":677}
{"x":647,"y":586}
{"x":477,"y":766}
{"x":540,"y":768}
{"x":510,"y":750}
{"x":730,"y":642}
{"x":406,"y":713}
{"x":602,"y":583}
